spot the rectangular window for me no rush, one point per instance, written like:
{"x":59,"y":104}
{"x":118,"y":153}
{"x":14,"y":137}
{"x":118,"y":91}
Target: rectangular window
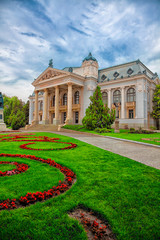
{"x":76,"y":117}
{"x":40,"y":118}
{"x":53,"y":115}
{"x":0,"y":116}
{"x":131,"y":113}
{"x":64,"y":117}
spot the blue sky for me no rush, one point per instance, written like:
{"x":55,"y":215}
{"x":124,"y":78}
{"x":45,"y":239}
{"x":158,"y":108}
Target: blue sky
{"x":34,"y":31}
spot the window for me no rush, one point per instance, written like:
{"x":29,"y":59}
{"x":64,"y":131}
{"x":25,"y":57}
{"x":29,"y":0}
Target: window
{"x":40,"y":118}
{"x":64,"y":117}
{"x":65,"y":99}
{"x":130,"y":71}
{"x":0,"y":116}
{"x":103,"y":77}
{"x":117,"y":96}
{"x":116,"y":74}
{"x":53,"y":101}
{"x":105,"y":98}
{"x":76,"y":117}
{"x":41,"y":106}
{"x":131,"y":113}
{"x":131,"y":95}
{"x":53,"y":115}
{"x":76,"y":97}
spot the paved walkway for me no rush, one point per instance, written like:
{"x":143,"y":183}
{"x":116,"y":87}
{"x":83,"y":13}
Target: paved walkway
{"x":141,"y":153}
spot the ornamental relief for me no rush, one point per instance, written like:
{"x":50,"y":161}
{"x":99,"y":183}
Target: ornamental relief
{"x":50,"y":74}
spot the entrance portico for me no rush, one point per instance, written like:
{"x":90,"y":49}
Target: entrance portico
{"x":59,"y":104}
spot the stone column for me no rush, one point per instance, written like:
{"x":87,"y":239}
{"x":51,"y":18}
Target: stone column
{"x":56,"y":119}
{"x":45,"y":107}
{"x":122,"y":103}
{"x":109,"y":98}
{"x":69,"y":106}
{"x":36,"y":121}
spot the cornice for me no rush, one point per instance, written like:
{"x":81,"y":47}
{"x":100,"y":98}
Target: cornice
{"x":127,"y":79}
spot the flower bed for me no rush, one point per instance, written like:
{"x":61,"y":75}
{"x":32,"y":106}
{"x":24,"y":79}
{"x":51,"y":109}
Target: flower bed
{"x":20,"y":167}
{"x":31,"y":198}
{"x":95,"y":228}
{"x":19,"y":138}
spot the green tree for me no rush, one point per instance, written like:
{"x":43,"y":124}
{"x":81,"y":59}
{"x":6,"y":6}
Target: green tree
{"x":156,"y":105}
{"x":26,"y":112}
{"x":98,"y":115}
{"x":16,"y":112}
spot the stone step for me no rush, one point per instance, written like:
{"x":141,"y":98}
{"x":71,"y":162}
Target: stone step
{"x":42,"y":127}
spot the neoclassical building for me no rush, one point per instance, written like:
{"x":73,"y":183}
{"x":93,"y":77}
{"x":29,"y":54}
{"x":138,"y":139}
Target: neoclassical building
{"x":62,"y":96}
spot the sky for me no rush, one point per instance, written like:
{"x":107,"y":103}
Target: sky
{"x":34,"y":31}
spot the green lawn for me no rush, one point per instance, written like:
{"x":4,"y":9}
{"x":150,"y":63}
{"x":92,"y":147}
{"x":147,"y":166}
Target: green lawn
{"x":124,"y":192}
{"x":153,"y":138}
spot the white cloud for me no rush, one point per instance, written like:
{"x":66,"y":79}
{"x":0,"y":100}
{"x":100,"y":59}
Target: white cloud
{"x":114,"y":31}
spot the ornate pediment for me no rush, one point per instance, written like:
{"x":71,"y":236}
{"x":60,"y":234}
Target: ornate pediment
{"x":49,"y":73}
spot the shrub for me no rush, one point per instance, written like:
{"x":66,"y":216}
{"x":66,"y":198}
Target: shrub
{"x":153,"y":128}
{"x":132,"y":130}
{"x":102,"y":130}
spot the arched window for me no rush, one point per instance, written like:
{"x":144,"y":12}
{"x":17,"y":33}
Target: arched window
{"x":65,"y":99}
{"x":53,"y":101}
{"x":131,"y":95}
{"x":105,"y":98}
{"x":117,"y":96}
{"x":76,"y":97}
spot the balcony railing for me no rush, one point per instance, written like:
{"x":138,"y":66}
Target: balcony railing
{"x":130,"y":104}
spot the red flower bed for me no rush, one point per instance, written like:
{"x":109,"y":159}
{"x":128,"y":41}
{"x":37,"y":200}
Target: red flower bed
{"x":19,"y":138}
{"x":20,"y":167}
{"x":31,"y":198}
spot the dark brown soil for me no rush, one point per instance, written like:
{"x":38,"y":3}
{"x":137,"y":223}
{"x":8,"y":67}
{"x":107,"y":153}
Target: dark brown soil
{"x":94,"y":227}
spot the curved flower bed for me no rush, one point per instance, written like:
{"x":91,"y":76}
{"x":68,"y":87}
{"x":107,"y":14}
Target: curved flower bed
{"x":20,"y":167}
{"x":31,"y":198}
{"x":19,"y":138}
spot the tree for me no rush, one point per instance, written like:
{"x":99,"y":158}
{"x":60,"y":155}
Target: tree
{"x":26,"y":112}
{"x":156,"y":105}
{"x":16,"y":112}
{"x":98,"y":115}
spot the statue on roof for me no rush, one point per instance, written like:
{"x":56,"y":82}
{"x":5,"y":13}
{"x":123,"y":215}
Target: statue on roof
{"x":50,"y":63}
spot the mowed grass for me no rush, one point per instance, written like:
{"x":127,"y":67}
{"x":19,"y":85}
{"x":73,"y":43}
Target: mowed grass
{"x":153,"y":138}
{"x":124,"y":192}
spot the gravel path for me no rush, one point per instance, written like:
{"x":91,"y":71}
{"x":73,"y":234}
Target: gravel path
{"x":147,"y":155}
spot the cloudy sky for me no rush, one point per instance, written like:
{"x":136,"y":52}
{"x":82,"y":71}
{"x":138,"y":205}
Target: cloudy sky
{"x":34,"y":31}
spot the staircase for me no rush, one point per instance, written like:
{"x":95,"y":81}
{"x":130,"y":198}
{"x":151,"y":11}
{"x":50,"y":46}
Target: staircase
{"x":41,"y":127}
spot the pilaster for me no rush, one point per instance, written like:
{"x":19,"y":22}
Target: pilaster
{"x":122,"y":103}
{"x":109,"y":98}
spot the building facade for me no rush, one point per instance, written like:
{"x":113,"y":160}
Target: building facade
{"x":62,"y":96}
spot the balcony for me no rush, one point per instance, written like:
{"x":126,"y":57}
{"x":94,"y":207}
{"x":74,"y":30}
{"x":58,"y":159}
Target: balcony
{"x":76,"y":107}
{"x":130,"y":104}
{"x":51,"y":109}
{"x":63,"y":108}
